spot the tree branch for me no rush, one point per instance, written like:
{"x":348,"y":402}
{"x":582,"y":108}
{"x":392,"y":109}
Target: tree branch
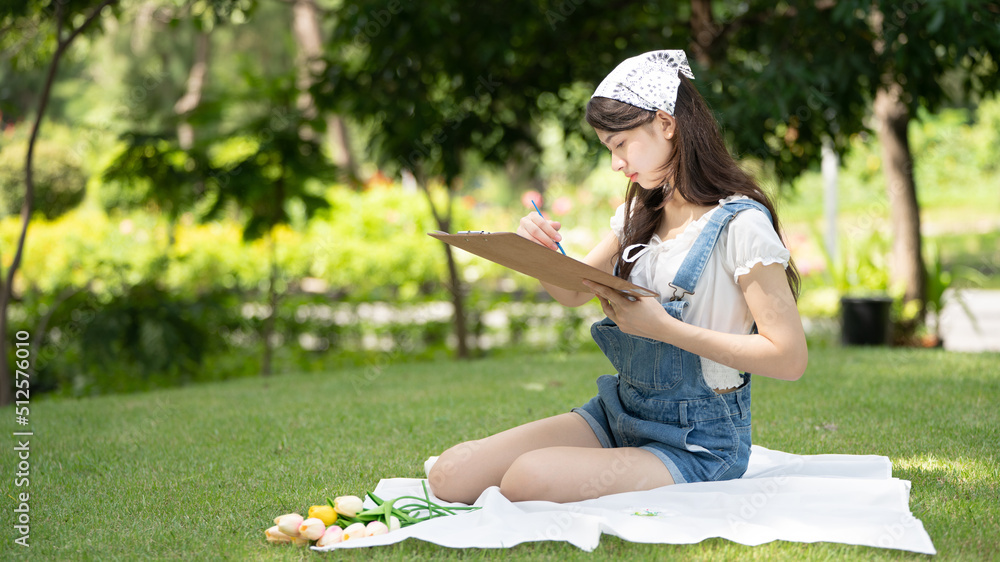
{"x":63,"y":43}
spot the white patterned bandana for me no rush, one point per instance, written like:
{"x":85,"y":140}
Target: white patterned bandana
{"x":649,"y":80}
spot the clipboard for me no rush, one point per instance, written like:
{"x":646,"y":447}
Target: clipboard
{"x":534,"y":260}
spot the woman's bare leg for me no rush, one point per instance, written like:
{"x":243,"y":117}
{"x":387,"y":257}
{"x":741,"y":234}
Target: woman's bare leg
{"x":566,"y":474}
{"x":555,"y":459}
{"x":465,"y":470}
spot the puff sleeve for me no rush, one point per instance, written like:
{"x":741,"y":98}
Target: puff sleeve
{"x":752,"y":240}
{"x":618,"y":222}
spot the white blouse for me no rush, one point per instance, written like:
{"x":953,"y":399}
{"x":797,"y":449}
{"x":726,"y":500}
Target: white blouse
{"x":717,"y":303}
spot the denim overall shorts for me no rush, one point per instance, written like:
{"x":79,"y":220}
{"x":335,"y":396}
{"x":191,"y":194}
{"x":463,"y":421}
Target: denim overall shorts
{"x":659,"y":400}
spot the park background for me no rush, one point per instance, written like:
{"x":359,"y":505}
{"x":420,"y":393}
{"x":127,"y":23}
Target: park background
{"x":242,"y":189}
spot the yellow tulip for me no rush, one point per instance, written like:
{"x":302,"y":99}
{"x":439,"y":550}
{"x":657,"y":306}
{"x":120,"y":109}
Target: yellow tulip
{"x":324,"y":513}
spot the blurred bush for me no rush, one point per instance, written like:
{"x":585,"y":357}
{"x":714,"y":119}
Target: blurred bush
{"x":127,"y":301}
{"x":60,"y":182}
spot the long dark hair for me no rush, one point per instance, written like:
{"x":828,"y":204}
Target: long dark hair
{"x":701,"y":169}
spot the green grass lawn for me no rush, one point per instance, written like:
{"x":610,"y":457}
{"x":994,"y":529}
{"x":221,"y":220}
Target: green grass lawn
{"x":200,"y":472}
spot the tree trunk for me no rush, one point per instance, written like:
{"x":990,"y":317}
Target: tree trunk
{"x":7,"y":287}
{"x":458,"y":303}
{"x":267,"y":329}
{"x":195,"y":86}
{"x":305,"y":29}
{"x":342,"y":155}
{"x":906,"y":264}
{"x":455,"y":285}
{"x":704,"y":32}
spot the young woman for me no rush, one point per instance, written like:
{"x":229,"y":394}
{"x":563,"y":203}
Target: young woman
{"x":699,"y":231}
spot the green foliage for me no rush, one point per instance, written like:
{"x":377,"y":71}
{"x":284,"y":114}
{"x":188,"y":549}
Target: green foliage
{"x":370,"y":246}
{"x":956,"y":172}
{"x":367,"y":245}
{"x":152,"y":170}
{"x":84,"y":247}
{"x":925,"y":42}
{"x":263,"y":169}
{"x":979,"y":251}
{"x":284,"y":171}
{"x":804,"y":85}
{"x":941,"y":278}
{"x":136,"y":337}
{"x":501,"y":99}
{"x":128,"y":280}
{"x":862,"y":267}
{"x":59,"y":181}
{"x":145,"y":330}
{"x":373,"y":245}
{"x":29,"y":26}
{"x":780,"y":88}
{"x":433,"y":106}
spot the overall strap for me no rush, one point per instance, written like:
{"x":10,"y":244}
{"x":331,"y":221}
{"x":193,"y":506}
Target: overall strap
{"x":697,"y":258}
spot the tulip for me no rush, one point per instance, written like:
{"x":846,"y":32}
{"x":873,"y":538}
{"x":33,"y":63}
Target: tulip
{"x":312,"y":529}
{"x":377,"y":528}
{"x":394,"y":523}
{"x":355,"y":531}
{"x":324,"y":513}
{"x":333,"y":535}
{"x":276,"y":536}
{"x":299,"y":541}
{"x":348,"y":506}
{"x":289,"y":524}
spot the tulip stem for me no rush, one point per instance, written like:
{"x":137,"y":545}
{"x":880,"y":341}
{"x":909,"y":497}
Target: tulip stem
{"x":407,"y":514}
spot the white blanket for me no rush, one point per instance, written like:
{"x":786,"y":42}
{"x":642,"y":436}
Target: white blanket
{"x":851,"y":499}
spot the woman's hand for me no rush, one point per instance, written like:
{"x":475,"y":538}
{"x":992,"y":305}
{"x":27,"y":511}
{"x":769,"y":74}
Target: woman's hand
{"x":538,"y":229}
{"x":643,"y":316}
{"x":777,"y":350}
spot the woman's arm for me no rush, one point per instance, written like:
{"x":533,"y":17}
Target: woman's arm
{"x":537,"y":229}
{"x":777,"y":350}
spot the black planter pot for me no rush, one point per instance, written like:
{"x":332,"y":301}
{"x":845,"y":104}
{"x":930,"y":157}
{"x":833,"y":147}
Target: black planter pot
{"x":865,"y":320}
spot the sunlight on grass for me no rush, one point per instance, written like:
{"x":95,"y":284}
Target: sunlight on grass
{"x":960,"y":470}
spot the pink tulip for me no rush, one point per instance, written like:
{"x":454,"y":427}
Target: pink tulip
{"x":312,"y":529}
{"x":377,"y":528}
{"x":394,"y":523}
{"x":276,"y":536}
{"x":289,"y":524}
{"x":355,"y":531}
{"x":333,"y":535}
